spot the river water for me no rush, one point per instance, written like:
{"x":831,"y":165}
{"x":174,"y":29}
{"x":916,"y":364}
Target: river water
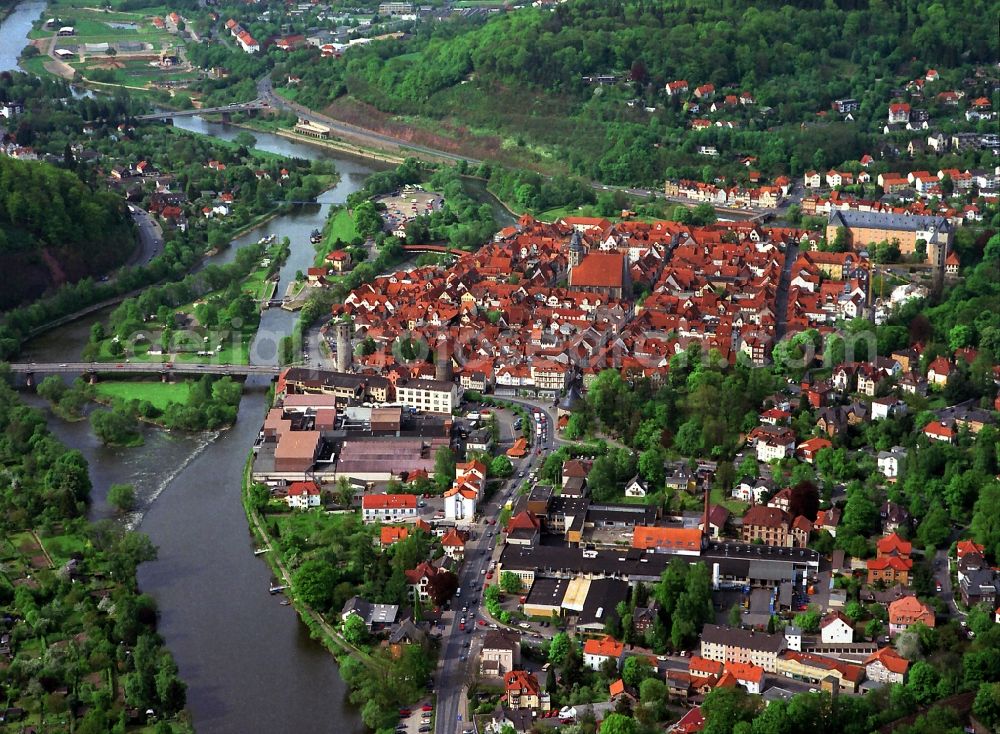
{"x":14,"y":32}
{"x":249,"y":663}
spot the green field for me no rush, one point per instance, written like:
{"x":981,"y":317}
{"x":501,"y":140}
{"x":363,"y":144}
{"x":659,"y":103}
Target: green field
{"x":160,"y":394}
{"x":340,"y":228}
{"x":310,"y":525}
{"x":234,"y":343}
{"x":551,"y":215}
{"x":132,"y":73}
{"x":63,"y":547}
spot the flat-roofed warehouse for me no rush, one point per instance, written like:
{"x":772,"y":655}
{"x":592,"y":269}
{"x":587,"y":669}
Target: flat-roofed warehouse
{"x":380,"y":459}
{"x":731,"y":564}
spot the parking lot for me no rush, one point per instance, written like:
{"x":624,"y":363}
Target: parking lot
{"x":419,"y":720}
{"x":408,"y":204}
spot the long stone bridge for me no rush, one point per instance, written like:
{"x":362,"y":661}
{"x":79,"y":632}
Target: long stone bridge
{"x":164,"y":369}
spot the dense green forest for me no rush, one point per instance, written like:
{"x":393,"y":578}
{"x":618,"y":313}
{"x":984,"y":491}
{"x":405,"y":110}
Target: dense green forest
{"x":54,"y":229}
{"x":519,"y":76}
{"x":83,"y":640}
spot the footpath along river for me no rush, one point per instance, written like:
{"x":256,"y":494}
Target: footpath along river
{"x":250,"y":665}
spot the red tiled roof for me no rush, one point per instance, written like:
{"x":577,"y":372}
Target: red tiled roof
{"x":893,"y":562}
{"x":606,"y":646}
{"x":746,"y":672}
{"x":965,"y":547}
{"x":645,"y":537}
{"x":599,"y":270}
{"x":296,"y":489}
{"x":521,"y":681}
{"x":690,"y":723}
{"x":770,"y":517}
{"x":388,"y":501}
{"x":390,"y":534}
{"x":525,"y":520}
{"x":704,"y":667}
{"x":909,"y":609}
{"x":892,"y":660}
{"x":893,"y":543}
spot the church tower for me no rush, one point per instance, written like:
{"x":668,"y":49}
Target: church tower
{"x":575,"y":250}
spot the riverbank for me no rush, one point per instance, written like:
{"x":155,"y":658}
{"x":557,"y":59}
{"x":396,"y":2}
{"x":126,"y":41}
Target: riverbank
{"x":215,"y":614}
{"x":340,"y":146}
{"x":321,"y":630}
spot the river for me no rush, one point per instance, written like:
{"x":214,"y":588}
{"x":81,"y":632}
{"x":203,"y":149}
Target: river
{"x":249,"y":663}
{"x":14,"y":32}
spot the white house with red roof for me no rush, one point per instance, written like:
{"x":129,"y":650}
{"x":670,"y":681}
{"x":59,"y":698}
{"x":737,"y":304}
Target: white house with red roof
{"x":596,"y":651}
{"x":938,"y":431}
{"x":460,"y":500}
{"x":676,"y":88}
{"x":454,"y":545}
{"x":388,"y":508}
{"x":899,"y":113}
{"x":748,"y":675}
{"x":303,"y":495}
{"x":886,"y":666}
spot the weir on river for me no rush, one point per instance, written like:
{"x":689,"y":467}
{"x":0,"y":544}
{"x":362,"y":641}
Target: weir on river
{"x":249,"y":663}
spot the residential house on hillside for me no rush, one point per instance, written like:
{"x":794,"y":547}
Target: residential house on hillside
{"x":908,"y":611}
{"x":886,"y":666}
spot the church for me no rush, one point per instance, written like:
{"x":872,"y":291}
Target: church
{"x":604,"y":273}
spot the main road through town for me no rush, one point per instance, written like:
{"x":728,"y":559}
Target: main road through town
{"x":459,"y":650}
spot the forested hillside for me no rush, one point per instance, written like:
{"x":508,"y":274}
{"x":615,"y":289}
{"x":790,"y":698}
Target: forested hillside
{"x":54,"y":229}
{"x":520,"y":75}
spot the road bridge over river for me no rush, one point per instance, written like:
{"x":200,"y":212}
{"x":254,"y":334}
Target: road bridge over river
{"x":142,"y":368}
{"x":251,"y":106}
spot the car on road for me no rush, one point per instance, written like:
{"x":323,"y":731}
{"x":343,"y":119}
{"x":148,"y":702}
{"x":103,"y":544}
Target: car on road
{"x":938,"y":586}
